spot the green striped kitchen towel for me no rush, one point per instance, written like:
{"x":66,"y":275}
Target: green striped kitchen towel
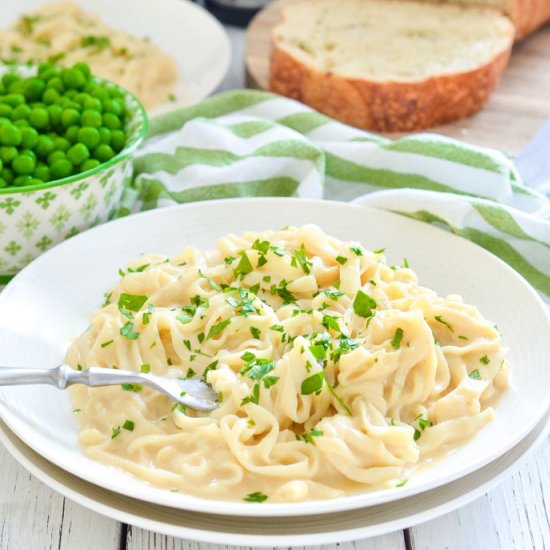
{"x":251,"y":143}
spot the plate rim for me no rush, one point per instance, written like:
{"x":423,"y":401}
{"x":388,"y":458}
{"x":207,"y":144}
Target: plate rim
{"x":221,"y":507}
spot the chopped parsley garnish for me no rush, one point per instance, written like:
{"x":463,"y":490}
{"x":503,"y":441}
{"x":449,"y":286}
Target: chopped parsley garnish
{"x":357,"y":250}
{"x":460,"y":337}
{"x":246,"y":305}
{"x":212,"y":283}
{"x":278,"y":251}
{"x":312,"y":384}
{"x":136,"y":388}
{"x":318,"y":351}
{"x":187,"y":344}
{"x":423,"y":423}
{"x":402,"y":483}
{"x":363,"y":304}
{"x":257,"y":369}
{"x":145,"y":369}
{"x":475,"y":375}
{"x":243,"y":267}
{"x":338,"y":398}
{"x":255,"y":497}
{"x":346,"y":345}
{"x":308,"y":437}
{"x":105,"y":344}
{"x":251,"y":422}
{"x":128,"y":331}
{"x":147,"y":314}
{"x":184,"y":318}
{"x":256,"y":332}
{"x":115,"y":432}
{"x":379,"y":251}
{"x":216,"y":329}
{"x":254,"y":397}
{"x":397,"y":337}
{"x":331,"y":323}
{"x":261,"y":246}
{"x":286,"y":296}
{"x":229,"y":260}
{"x":211,"y":366}
{"x":131,"y":302}
{"x":138,"y":269}
{"x":277,"y":328}
{"x":300,"y":255}
{"x":190,"y":373}
{"x":484,"y":360}
{"x":341,"y":260}
{"x":270,"y":380}
{"x":266,"y":279}
{"x":440,"y":319}
{"x":405,"y":263}
{"x":128,"y":425}
{"x":333,"y":294}
{"x":98,"y":42}
{"x":107,"y":297}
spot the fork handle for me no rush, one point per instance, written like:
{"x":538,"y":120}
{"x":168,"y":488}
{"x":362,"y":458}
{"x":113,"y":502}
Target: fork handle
{"x":10,"y":376}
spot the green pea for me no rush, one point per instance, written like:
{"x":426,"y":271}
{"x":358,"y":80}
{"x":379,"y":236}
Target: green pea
{"x":61,"y":144}
{"x":10,"y":135}
{"x":13,"y":100}
{"x":90,"y":164}
{"x":100,"y":93}
{"x":73,"y":78}
{"x":93,"y":103}
{"x":5,"y":110}
{"x":21,"y":123}
{"x":78,"y":154}
{"x":21,"y":111}
{"x":56,"y":83}
{"x":1,"y":165}
{"x":7,"y":175}
{"x":55,"y":156}
{"x":70,"y":117}
{"x":105,"y":135}
{"x":89,"y":136}
{"x":44,"y":146}
{"x":34,"y":88}
{"x":51,"y":95}
{"x":112,"y":106}
{"x":23,"y":165}
{"x":29,"y":138}
{"x":29,"y":153}
{"x":39,"y":118}
{"x":42,"y":172}
{"x":72,"y":133}
{"x":71,"y":93}
{"x":45,"y":67}
{"x":55,"y":112}
{"x":8,"y":78}
{"x":8,"y":153}
{"x":84,"y":69}
{"x":22,"y":180}
{"x":61,"y":168}
{"x":34,"y":181}
{"x":91,"y":118}
{"x":118,"y":140}
{"x":3,"y":183}
{"x":111,"y":121}
{"x":103,"y":152}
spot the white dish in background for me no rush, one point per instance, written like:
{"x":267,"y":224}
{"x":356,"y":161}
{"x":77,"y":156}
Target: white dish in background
{"x":184,"y":30}
{"x":50,"y":301}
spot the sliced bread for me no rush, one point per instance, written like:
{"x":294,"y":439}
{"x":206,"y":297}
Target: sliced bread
{"x":389,"y":65}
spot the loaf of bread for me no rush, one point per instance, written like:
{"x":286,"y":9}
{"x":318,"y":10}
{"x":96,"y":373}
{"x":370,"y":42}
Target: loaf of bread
{"x":390,"y":65}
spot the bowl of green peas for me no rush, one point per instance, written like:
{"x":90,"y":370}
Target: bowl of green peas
{"x":66,"y":143}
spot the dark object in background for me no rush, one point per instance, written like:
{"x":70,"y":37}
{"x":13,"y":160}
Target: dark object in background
{"x":235,"y":12}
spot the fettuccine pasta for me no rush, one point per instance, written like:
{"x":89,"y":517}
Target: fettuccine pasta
{"x":336,"y":372}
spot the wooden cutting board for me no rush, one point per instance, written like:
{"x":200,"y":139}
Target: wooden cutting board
{"x":516,"y":110}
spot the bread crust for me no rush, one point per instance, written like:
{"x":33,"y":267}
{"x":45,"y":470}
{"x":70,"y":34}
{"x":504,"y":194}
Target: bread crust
{"x":528,"y":15}
{"x":386,"y":106}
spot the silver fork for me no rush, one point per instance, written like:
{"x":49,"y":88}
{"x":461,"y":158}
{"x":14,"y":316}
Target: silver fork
{"x":195,"y":394}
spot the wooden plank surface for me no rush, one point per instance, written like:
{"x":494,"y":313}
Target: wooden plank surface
{"x":515,"y":516}
{"x":515,"y":111}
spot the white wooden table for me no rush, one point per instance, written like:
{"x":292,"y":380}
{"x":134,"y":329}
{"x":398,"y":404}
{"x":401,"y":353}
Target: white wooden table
{"x":515,"y":516}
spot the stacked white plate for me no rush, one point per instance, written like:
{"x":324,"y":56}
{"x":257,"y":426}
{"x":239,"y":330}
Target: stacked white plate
{"x":50,"y":302}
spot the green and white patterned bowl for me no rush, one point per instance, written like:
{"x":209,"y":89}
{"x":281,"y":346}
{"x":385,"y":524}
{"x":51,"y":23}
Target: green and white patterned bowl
{"x":35,"y":218}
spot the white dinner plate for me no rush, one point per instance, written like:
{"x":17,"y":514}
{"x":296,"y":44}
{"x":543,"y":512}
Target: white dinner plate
{"x":49,"y":303}
{"x":185,"y":31}
{"x":286,"y":531}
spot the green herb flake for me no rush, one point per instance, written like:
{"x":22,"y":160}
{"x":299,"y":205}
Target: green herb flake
{"x":136,"y":388}
{"x":312,"y":384}
{"x":131,"y":302}
{"x":256,"y":332}
{"x":277,"y":328}
{"x":363,"y":304}
{"x":255,"y":497}
{"x":301,"y":256}
{"x":96,"y":42}
{"x":484,"y":360}
{"x":318,"y":351}
{"x":105,"y":344}
{"x":270,"y":380}
{"x":330,"y":322}
{"x":244,"y":267}
{"x":402,"y":483}
{"x":184,"y":318}
{"x":128,"y":425}
{"x":397,"y":337}
{"x":261,"y":246}
{"x":190,"y":373}
{"x":461,"y":337}
{"x":440,"y":319}
{"x":338,"y":399}
{"x":308,"y":437}
{"x":341,"y":260}
{"x":216,"y":329}
{"x":139,"y":269}
{"x":266,"y":279}
{"x":145,"y":368}
{"x":333,"y":294}
{"x":115,"y":432}
{"x":128,"y":331}
{"x":357,"y":250}
{"x":254,"y":397}
{"x":251,"y":422}
{"x":475,"y":375}
{"x":212,"y":283}
{"x":211,"y":366}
